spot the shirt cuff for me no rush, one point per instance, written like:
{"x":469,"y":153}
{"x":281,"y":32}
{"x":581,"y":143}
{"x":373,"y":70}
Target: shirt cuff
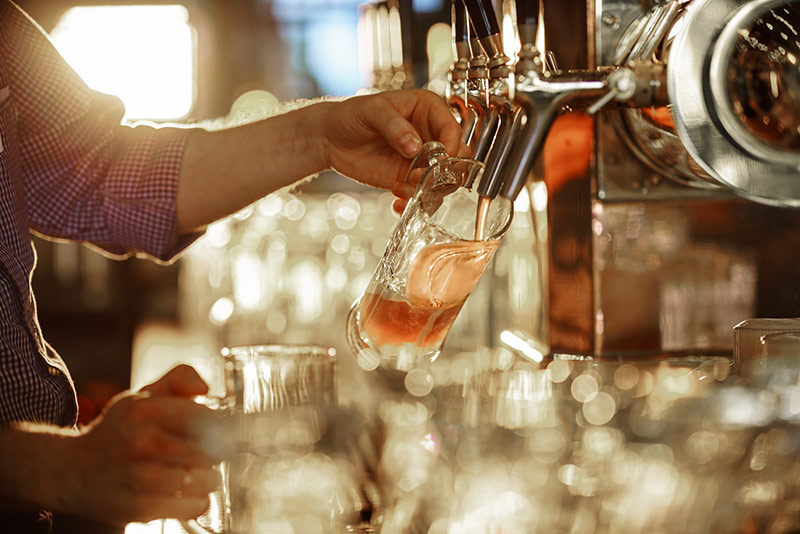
{"x":143,"y":211}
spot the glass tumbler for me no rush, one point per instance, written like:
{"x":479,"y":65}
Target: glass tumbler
{"x":780,"y":360}
{"x":279,"y":397}
{"x":436,"y":254}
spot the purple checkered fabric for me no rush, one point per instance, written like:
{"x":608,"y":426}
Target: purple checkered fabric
{"x":68,"y":170}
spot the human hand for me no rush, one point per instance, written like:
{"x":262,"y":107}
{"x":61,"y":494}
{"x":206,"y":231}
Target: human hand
{"x":144,"y":457}
{"x":372,"y":138}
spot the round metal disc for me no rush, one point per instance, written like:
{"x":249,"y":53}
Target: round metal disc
{"x":698,"y":84}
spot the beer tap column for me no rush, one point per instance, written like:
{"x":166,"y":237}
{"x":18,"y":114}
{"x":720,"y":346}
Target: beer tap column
{"x":542,"y":97}
{"x":513,"y":115}
{"x":457,"y":88}
{"x":477,"y":92}
{"x":542,"y":100}
{"x":487,"y":29}
{"x":493,"y":70}
{"x":478,"y":95}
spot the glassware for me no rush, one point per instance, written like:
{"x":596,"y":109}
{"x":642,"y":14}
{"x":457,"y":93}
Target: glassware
{"x":280,"y":397}
{"x":748,"y":341}
{"x":778,"y":367}
{"x":435,"y":256}
{"x":785,"y":345}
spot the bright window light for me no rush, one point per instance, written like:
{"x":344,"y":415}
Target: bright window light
{"x":142,"y":54}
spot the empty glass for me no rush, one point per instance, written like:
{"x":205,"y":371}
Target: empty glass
{"x":750,"y":353}
{"x":778,"y":368}
{"x":280,"y":397}
{"x":435,"y":256}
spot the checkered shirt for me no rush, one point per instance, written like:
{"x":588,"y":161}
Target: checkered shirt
{"x":68,"y":170}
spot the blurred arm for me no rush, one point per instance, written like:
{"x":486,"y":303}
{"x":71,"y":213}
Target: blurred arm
{"x":367,"y":138}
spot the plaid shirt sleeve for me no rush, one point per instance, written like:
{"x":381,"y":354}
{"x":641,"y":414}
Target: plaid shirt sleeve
{"x":88,"y":177}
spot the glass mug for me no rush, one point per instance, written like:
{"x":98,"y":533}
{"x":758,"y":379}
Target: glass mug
{"x":780,"y":355}
{"x":279,"y":397}
{"x":437,"y":252}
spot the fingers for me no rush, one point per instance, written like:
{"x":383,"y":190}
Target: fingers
{"x":403,"y":190}
{"x":439,"y":122}
{"x":399,"y":205}
{"x":177,"y":415}
{"x":464,"y":151}
{"x":153,"y":442}
{"x":173,"y":506}
{"x":429,"y":117}
{"x":174,"y":428}
{"x":397,"y":131}
{"x":182,"y":380}
{"x":161,"y":479}
{"x":413,"y":117}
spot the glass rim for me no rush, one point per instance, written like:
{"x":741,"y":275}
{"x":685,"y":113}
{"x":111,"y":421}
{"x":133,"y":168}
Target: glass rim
{"x":785,"y":334}
{"x":279,"y":350}
{"x":494,"y":237}
{"x":471,"y":190}
{"x":783,"y":324}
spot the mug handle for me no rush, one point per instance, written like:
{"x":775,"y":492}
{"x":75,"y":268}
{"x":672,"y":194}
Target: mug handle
{"x":192,"y":526}
{"x":221,"y":495}
{"x":428,"y":155}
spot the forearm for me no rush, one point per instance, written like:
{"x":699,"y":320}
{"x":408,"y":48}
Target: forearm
{"x":31,"y":470}
{"x":225,"y":170}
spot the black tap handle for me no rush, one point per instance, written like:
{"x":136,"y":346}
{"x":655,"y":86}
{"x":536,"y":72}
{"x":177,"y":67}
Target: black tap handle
{"x":460,"y":24}
{"x":527,"y":20}
{"x":482,"y":14}
{"x":527,"y":11}
{"x":475,"y":46}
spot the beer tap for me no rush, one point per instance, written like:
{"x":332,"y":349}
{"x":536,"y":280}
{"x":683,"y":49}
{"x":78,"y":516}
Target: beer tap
{"x":542,"y":95}
{"x":457,"y":96}
{"x":542,"y":99}
{"x":477,"y":93}
{"x":494,"y":73}
{"x":382,"y":46}
{"x":487,"y":30}
{"x":511,"y":115}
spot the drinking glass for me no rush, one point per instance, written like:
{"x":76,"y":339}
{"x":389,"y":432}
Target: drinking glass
{"x":437,"y":252}
{"x":779,"y":361}
{"x":279,"y":397}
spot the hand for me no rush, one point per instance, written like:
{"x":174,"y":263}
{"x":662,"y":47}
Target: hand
{"x":373,"y":138}
{"x":144,"y":457}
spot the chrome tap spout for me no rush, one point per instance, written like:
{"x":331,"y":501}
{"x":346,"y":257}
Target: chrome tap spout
{"x":487,"y":77}
{"x":542,"y":98}
{"x":477,"y":100}
{"x":499,"y":112}
{"x":456,"y":96}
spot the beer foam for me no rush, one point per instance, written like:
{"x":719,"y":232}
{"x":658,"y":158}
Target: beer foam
{"x":442,"y":275}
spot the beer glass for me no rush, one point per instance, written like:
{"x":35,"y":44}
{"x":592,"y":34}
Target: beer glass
{"x":279,"y":397}
{"x":435,"y":256}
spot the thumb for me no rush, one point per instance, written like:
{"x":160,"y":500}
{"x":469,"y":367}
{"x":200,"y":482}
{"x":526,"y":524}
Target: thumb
{"x":182,"y":381}
{"x":397,"y":131}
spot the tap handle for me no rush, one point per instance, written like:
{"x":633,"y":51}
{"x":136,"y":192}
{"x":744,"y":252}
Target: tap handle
{"x":621,"y":86}
{"x":527,"y":11}
{"x":482,"y":14}
{"x":460,"y":24}
{"x":475,"y":46}
{"x":527,"y":20}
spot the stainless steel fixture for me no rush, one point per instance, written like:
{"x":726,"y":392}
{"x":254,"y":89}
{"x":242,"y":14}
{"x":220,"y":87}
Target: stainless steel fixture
{"x":666,"y":144}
